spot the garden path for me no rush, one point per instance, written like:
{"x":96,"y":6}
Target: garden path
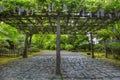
{"x":74,"y":66}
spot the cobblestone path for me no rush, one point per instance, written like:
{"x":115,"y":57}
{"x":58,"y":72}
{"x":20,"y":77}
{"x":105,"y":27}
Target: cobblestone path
{"x":74,"y":67}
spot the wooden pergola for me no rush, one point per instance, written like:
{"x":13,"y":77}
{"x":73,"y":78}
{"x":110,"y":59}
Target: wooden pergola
{"x":59,"y":22}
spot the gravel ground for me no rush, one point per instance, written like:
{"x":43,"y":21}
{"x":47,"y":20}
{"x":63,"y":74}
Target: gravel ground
{"x":74,"y":66}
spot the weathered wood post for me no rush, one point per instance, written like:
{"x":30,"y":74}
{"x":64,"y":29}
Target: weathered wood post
{"x":58,"y":57}
{"x":92,"y":45}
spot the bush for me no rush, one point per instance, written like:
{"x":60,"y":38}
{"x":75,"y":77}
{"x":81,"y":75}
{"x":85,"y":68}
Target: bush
{"x":33,"y":49}
{"x":52,"y":46}
{"x":47,"y":46}
{"x":99,"y":47}
{"x":64,"y":39}
{"x":69,"y":47}
{"x":4,"y":50}
{"x":114,"y":45}
{"x":62,"y":46}
{"x":84,"y":47}
{"x":115,"y":49}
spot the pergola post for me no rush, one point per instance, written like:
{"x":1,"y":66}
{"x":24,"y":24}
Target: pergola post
{"x":58,"y":57}
{"x":92,"y":45}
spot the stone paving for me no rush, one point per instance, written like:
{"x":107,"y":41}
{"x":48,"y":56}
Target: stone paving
{"x":74,"y":67}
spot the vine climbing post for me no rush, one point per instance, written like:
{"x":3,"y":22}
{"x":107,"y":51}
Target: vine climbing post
{"x":58,"y":57}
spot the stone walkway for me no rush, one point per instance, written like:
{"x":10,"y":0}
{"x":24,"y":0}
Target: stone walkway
{"x":74,"y":67}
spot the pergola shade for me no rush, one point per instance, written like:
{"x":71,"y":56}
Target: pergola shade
{"x":69,"y":21}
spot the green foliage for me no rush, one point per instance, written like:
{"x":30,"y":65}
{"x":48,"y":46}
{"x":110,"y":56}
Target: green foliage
{"x":4,"y":50}
{"x":48,"y":41}
{"x":99,"y":47}
{"x":78,"y":41}
{"x":112,"y":32}
{"x":62,"y":46}
{"x":84,"y":47}
{"x":3,"y":43}
{"x":45,"y":41}
{"x":104,"y":34}
{"x":115,"y":30}
{"x":115,"y":48}
{"x":10,"y":4}
{"x":114,"y":45}
{"x":33,"y":49}
{"x":12,"y":34}
{"x":64,"y":39}
{"x":38,"y":40}
{"x":69,"y":47}
{"x":52,"y":46}
{"x":81,"y":40}
{"x":47,"y":46}
{"x":8,"y":32}
{"x":72,"y":5}
{"x":72,"y":41}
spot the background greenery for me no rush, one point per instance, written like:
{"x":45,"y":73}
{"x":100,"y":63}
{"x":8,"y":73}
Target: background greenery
{"x":69,"y":42}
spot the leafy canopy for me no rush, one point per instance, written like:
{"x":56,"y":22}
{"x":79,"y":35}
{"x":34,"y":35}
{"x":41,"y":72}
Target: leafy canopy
{"x":72,"y":5}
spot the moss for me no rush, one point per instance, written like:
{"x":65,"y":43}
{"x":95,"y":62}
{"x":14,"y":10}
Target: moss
{"x":115,"y":61}
{"x":96,"y":54}
{"x":99,"y":55}
{"x":102,"y":56}
{"x":5,"y":60}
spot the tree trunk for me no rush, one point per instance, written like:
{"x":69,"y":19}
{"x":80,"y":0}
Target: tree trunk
{"x":26,"y":47}
{"x":30,"y":40}
{"x":58,"y":57}
{"x":92,"y":45}
{"x":106,"y":52}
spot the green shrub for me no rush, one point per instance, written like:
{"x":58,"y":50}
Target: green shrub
{"x":47,"y":45}
{"x":33,"y":49}
{"x":3,"y":43}
{"x":62,"y":46}
{"x":5,"y":50}
{"x":114,"y":45}
{"x":84,"y":47}
{"x":64,"y":39}
{"x":52,"y":46}
{"x":115,"y":49}
{"x":69,"y":47}
{"x":99,"y":47}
